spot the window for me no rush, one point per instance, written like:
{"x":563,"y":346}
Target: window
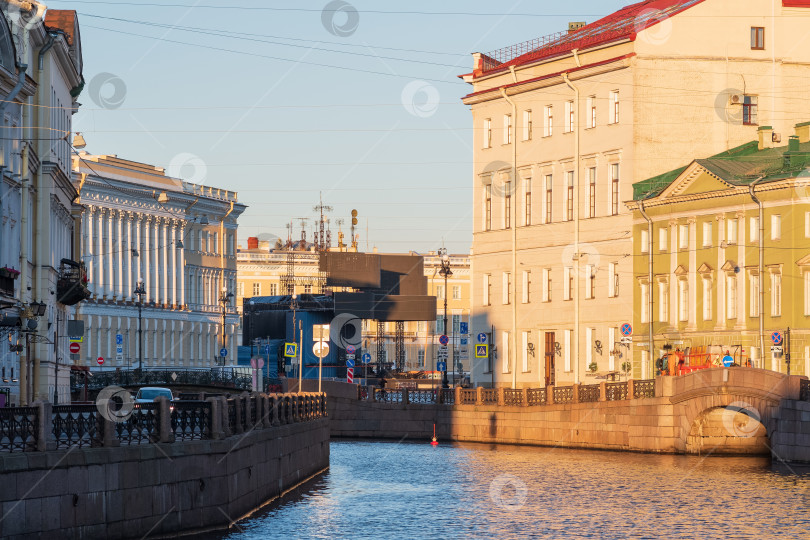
{"x":527,"y":125}
{"x":274,"y":289}
{"x":707,"y":299}
{"x":456,"y":324}
{"x":548,"y":201}
{"x":663,"y":301}
{"x":707,"y":234}
{"x":548,"y":121}
{"x":731,"y":297}
{"x":525,"y":351}
{"x":683,"y":236}
{"x":753,"y":229}
{"x":488,"y":207}
{"x":568,"y":283}
{"x":507,"y":205}
{"x":645,"y":303}
{"x":546,"y":284}
{"x":569,"y":116}
{"x":487,"y":133}
{"x":507,"y":285}
{"x":240,"y":291}
{"x":308,"y":288}
{"x":750,"y":110}
{"x":776,"y":227}
{"x":776,"y":294}
{"x":683,"y":300}
{"x":257,"y":289}
{"x":420,"y":357}
{"x":505,"y":349}
{"x":421,"y":326}
{"x":590,"y":281}
{"x":613,"y":101}
{"x":592,"y":192}
{"x":753,"y":312}
{"x":613,"y":280}
{"x":486,"y":291}
{"x":527,"y":283}
{"x":807,"y":293}
{"x":590,"y":108}
{"x":439,"y":325}
{"x":732,"y":231}
{"x":567,"y":351}
{"x":507,"y":129}
{"x":645,"y":241}
{"x":440,"y":292}
{"x":456,"y":292}
{"x":569,"y":196}
{"x":807,"y":224}
{"x":614,"y":189}
{"x":757,"y":38}
{"x":527,"y":203}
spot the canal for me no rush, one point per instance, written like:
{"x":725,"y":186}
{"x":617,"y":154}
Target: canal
{"x":407,"y":490}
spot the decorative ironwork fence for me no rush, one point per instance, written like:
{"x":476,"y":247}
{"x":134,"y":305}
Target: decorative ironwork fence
{"x":536,"y":396}
{"x":18,"y":429}
{"x":77,"y":425}
{"x":388,"y":396}
{"x":422,"y":396}
{"x":226,"y":378}
{"x":616,"y":391}
{"x":512,"y":397}
{"x":140,"y":427}
{"x":644,"y":388}
{"x":588,"y":393}
{"x":489,"y":396}
{"x":191,"y":420}
{"x":563,"y":394}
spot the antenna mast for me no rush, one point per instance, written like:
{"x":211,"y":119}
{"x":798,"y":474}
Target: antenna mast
{"x":322,"y":242}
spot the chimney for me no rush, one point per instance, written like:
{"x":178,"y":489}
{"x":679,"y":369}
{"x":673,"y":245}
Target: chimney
{"x":253,"y":243}
{"x":765,"y":137}
{"x":803,"y":132}
{"x":574,"y":26}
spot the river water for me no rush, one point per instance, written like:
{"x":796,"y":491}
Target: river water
{"x":408,"y":490}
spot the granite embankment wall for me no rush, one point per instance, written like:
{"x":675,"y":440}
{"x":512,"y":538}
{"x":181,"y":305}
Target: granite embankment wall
{"x":791,"y":440}
{"x":161,"y":489}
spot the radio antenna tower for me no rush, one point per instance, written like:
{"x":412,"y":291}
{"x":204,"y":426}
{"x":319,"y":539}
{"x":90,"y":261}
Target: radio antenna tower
{"x":321,"y":243}
{"x":340,"y":222}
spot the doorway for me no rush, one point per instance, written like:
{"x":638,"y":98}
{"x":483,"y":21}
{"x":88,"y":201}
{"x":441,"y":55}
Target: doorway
{"x":549,"y":353}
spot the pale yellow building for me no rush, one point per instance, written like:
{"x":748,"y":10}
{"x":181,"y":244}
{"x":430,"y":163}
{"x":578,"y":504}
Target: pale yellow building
{"x":565,"y":125}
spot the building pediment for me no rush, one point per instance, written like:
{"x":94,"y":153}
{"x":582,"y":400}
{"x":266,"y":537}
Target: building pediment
{"x":804,"y":261}
{"x":695,"y":180}
{"x":728,"y":266}
{"x":681,"y":270}
{"x":705,"y":269}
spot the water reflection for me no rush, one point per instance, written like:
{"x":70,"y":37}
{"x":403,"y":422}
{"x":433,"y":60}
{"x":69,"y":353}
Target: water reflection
{"x":384,"y":489}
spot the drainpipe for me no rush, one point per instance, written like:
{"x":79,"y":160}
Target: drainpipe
{"x":649,"y":280}
{"x":576,"y":223}
{"x":513,"y":225}
{"x":45,"y":48}
{"x":751,"y":188}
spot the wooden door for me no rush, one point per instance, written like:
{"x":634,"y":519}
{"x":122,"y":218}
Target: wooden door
{"x":549,"y":352}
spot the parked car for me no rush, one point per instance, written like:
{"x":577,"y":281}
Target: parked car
{"x":147,"y":394}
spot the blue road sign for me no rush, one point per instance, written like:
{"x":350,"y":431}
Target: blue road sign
{"x":464,"y":341}
{"x":441,"y":366}
{"x":776,"y":337}
{"x":266,"y":349}
{"x":444,"y":340}
{"x":350,"y":349}
{"x":627,"y":329}
{"x":119,"y":339}
{"x":349,"y":363}
{"x":463,"y":328}
{"x":223,"y":352}
{"x":290,"y":350}
{"x":482,"y":338}
{"x":366,"y":358}
{"x":728,"y":360}
{"x":481,"y":351}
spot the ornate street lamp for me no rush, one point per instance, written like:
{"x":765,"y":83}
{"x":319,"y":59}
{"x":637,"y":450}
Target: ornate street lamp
{"x":445,"y":272}
{"x":141,"y":292}
{"x":223,"y":299}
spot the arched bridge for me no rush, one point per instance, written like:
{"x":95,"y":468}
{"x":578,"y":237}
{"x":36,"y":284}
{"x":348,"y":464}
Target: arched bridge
{"x":210,"y":380}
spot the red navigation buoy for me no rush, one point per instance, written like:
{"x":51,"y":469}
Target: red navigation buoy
{"x":433,"y":441}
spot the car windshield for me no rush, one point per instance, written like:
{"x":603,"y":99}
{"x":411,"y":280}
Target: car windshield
{"x":152,"y":393}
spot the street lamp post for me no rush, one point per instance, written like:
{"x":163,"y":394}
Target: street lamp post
{"x":223,"y":299}
{"x":141,"y":292}
{"x":445,"y":272}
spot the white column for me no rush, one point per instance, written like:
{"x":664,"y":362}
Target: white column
{"x":147,"y":257}
{"x":128,"y":286}
{"x":119,"y":229}
{"x":101,"y":279}
{"x":139,"y":247}
{"x":87,"y":221}
{"x":157,"y":274}
{"x":182,"y":336}
{"x":109,"y":256}
{"x":181,"y":272}
{"x":173,"y":266}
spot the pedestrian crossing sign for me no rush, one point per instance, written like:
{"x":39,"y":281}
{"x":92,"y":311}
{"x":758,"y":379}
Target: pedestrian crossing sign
{"x":482,"y":350}
{"x":290,"y":350}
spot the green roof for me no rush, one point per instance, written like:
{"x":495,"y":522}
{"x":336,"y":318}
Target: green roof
{"x":738,"y":166}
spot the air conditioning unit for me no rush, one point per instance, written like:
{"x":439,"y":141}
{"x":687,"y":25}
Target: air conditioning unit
{"x":735,"y":99}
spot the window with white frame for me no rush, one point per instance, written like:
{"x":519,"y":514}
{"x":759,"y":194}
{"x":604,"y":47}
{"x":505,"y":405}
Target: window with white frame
{"x":707,"y":234}
{"x":645,"y":240}
{"x":753,"y":229}
{"x":663,"y":301}
{"x":568,"y":283}
{"x":547,"y":203}
{"x":505,"y":351}
{"x":662,"y":238}
{"x":569,"y":196}
{"x":614,"y":189}
{"x":776,"y":227}
{"x":683,"y":300}
{"x":807,"y":292}
{"x":548,"y":121}
{"x":527,"y":202}
{"x":507,"y":285}
{"x":645,"y":303}
{"x":776,"y":294}
{"x":707,"y":298}
{"x":592,"y":192}
{"x":590,"y":282}
{"x":507,"y":129}
{"x":753,"y":280}
{"x":456,"y":292}
{"x":486,"y":290}
{"x":241,"y":289}
{"x":439,"y":325}
{"x":308,"y":288}
{"x":567,"y":351}
{"x":613,"y":280}
{"x":487,"y":133}
{"x":456,"y":324}
{"x":488,"y":207}
{"x":257,"y":289}
{"x":421,"y":326}
{"x":546,"y":284}
{"x":731,"y":229}
{"x":525,"y":351}
{"x":274,"y":289}
{"x":527,"y":125}
{"x":527,"y":282}
{"x":683,"y":236}
{"x":731,"y":296}
{"x":569,"y":116}
{"x":440,"y":292}
{"x":591,"y":109}
{"x":507,"y":205}
{"x":420,"y":357}
{"x":613,"y":103}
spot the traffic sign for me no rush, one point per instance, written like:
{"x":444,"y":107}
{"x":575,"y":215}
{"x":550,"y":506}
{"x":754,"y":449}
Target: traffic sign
{"x":257,"y":362}
{"x":482,"y":337}
{"x":76,"y":339}
{"x":321,"y":349}
{"x":349,"y":363}
{"x":119,"y":350}
{"x":223,"y":352}
{"x":350,"y":349}
{"x":728,"y":360}
{"x":481,"y":351}
{"x":463,"y":328}
{"x":119,"y":339}
{"x":777,"y":349}
{"x":443,"y":339}
{"x":350,"y":375}
{"x":464,"y":341}
{"x":366,"y":358}
{"x":290,"y":350}
{"x":266,"y":349}
{"x":441,"y":366}
{"x":776,"y":337}
{"x":100,"y":361}
{"x":350,"y":356}
{"x":627,"y":329}
{"x":75,"y":348}
{"x":626,"y":340}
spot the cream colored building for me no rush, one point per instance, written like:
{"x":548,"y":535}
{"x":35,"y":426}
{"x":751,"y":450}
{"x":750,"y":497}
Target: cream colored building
{"x":261,"y":272}
{"x":180,"y":239}
{"x":563,"y":127}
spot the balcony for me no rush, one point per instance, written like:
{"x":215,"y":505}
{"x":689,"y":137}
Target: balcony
{"x":71,"y":287}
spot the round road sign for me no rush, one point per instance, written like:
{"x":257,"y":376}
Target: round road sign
{"x":776,"y":337}
{"x":350,"y":349}
{"x":75,"y":348}
{"x":100,"y":361}
{"x":444,"y":340}
{"x":626,"y":329}
{"x":321,"y":349}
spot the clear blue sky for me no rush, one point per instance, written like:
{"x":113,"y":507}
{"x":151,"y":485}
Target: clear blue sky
{"x":279,"y":130}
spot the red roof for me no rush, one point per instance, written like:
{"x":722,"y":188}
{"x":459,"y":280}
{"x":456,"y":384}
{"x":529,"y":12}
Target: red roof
{"x":62,"y":19}
{"x":623,"y":24}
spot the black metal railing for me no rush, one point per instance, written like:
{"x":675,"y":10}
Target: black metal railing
{"x":191,"y":420}
{"x":512,"y":397}
{"x":422,"y":396}
{"x":388,"y":396}
{"x":448,"y":396}
{"x":588,"y":393}
{"x":616,"y":391}
{"x":224,"y":378}
{"x":644,"y":388}
{"x":18,"y":429}
{"x":804,"y":390}
{"x":142,"y":426}
{"x":77,"y":425}
{"x":563,"y":394}
{"x":536,"y":396}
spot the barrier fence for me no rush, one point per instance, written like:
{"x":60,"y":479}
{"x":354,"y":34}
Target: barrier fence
{"x":44,"y":426}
